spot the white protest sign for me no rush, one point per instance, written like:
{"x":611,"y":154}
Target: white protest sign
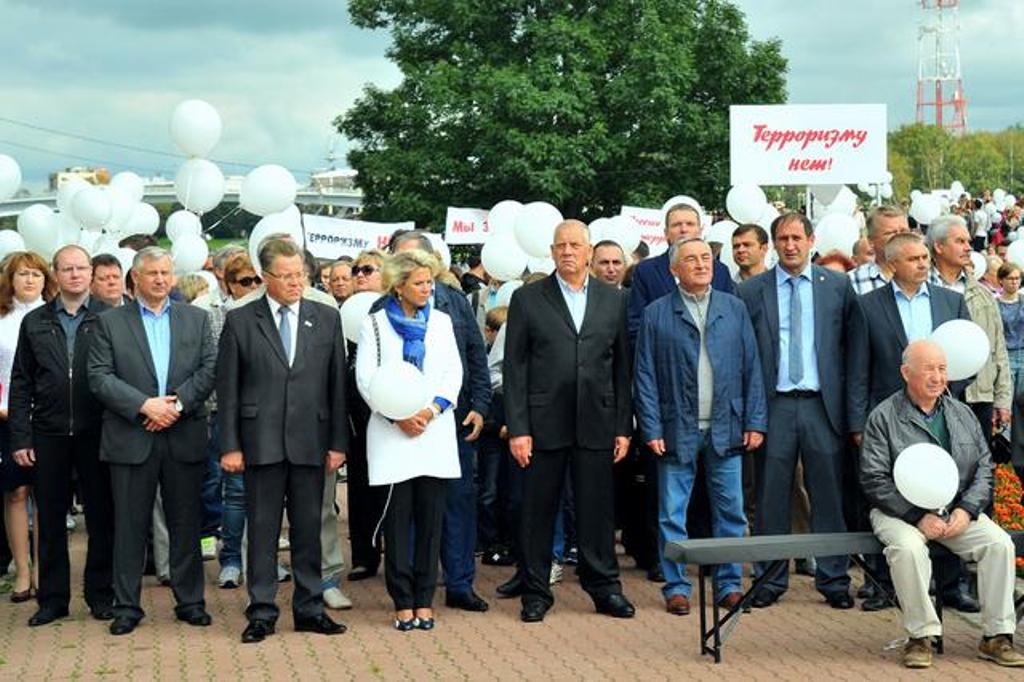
{"x":807,"y":144}
{"x":331,"y":238}
{"x":651,"y":223}
{"x":466,"y":226}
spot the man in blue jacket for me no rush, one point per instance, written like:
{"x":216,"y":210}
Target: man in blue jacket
{"x":699,"y":397}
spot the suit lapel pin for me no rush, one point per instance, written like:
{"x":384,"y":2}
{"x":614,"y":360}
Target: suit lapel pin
{"x":308,"y":323}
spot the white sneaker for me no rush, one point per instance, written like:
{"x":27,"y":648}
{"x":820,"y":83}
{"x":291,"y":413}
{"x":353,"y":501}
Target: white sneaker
{"x":230,"y":577}
{"x":283,"y":574}
{"x":334,"y":598}
{"x":556,"y":573}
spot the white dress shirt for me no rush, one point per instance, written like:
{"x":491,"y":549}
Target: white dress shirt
{"x":293,"y":319}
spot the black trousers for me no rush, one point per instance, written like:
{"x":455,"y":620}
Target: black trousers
{"x":412,"y":540}
{"x":593,"y":485}
{"x":56,"y":458}
{"x":269,"y":490}
{"x":365,"y":505}
{"x":134,"y":489}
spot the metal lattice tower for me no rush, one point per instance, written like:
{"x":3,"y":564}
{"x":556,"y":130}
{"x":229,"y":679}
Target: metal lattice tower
{"x":940,"y":85}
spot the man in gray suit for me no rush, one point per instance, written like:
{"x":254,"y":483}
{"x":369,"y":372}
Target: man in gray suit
{"x":813,"y":345}
{"x":152,"y":366}
{"x":281,"y":404}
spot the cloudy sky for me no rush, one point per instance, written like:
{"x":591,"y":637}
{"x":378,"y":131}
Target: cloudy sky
{"x":278,"y":72}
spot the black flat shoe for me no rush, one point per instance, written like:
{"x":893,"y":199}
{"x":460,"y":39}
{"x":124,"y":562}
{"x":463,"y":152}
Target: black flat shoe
{"x":616,"y":606}
{"x":876,"y":602}
{"x":102,"y":611}
{"x":533,"y":612}
{"x":763,"y":600}
{"x":840,"y":600}
{"x":962,"y":602}
{"x":405,"y":625}
{"x":123,"y":626}
{"x":513,"y":587}
{"x":257,"y":631}
{"x":47,"y":615}
{"x":424,"y":623}
{"x":361,"y":573}
{"x":321,"y":625}
{"x":200,"y":619}
{"x":467,"y":601}
{"x":655,"y":574}
{"x":23,"y":596}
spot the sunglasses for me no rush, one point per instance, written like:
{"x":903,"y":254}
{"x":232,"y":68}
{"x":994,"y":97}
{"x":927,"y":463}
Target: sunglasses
{"x":364,"y":270}
{"x":249,"y":281}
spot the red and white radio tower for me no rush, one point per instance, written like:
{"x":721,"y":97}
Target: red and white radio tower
{"x":940,"y":85}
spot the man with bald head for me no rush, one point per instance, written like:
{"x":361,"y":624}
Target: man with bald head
{"x":568,"y":406}
{"x":925,"y":413}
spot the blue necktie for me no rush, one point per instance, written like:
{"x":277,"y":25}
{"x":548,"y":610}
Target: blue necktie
{"x":285,"y":329}
{"x":796,"y":345}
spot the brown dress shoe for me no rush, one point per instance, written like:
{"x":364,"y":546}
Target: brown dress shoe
{"x":917,"y":653}
{"x":730,"y":600}
{"x":678,"y":605}
{"x":1000,"y":650}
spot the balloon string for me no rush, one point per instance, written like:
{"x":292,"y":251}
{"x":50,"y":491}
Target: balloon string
{"x":230,"y":213}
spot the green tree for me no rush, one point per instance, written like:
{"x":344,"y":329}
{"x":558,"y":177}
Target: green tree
{"x":586,"y":105}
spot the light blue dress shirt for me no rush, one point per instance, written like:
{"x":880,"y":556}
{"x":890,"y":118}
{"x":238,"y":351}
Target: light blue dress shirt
{"x":915,"y":313}
{"x":575,"y":300}
{"x":158,"y":335}
{"x":810,"y":382}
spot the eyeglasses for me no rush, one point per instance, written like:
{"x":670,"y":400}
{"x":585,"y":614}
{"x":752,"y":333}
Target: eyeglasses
{"x":254,"y":281}
{"x":364,"y":270}
{"x":292,"y":277}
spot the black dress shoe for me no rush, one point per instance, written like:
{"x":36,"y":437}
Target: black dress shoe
{"x":962,"y":602}
{"x":467,"y":601}
{"x":533,"y":612}
{"x":200,"y":618}
{"x":122,"y":625}
{"x":763,"y":600}
{"x":616,"y":606}
{"x":257,"y":631}
{"x":655,"y":574}
{"x":840,"y":600}
{"x":47,"y":614}
{"x":102,"y":611}
{"x":876,"y":602}
{"x":866,"y":591}
{"x":513,"y":587}
{"x":321,"y":625}
{"x":361,"y":573}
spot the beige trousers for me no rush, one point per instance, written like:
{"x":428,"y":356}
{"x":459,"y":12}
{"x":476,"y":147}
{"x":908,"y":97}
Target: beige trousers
{"x":983,"y":542}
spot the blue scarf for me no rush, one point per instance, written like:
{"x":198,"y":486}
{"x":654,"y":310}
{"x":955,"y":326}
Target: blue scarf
{"x":412,"y":330}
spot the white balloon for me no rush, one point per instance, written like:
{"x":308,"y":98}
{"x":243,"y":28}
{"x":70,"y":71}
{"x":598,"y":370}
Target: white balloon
{"x":502,"y":216}
{"x":836,"y":232}
{"x":689,"y":201}
{"x":67,"y":191}
{"x":189,"y":252}
{"x":143,"y":219}
{"x":966,"y":346}
{"x":979,"y":263}
{"x":845,"y":202}
{"x":199,"y":185}
{"x":125,"y":257}
{"x":998,"y":196}
{"x":37,"y":229}
{"x":886,"y":191}
{"x":990,"y":208}
{"x":195,"y":127}
{"x":129,"y":184}
{"x":121,"y":206}
{"x":505,"y":291}
{"x":10,"y":177}
{"x":768,"y":215}
{"x":861,"y":187}
{"x":1009,"y":201}
{"x":182,"y":223}
{"x":545,"y":265}
{"x":886,"y":178}
{"x":88,"y":240}
{"x":914,"y":194}
{"x":354,"y":311}
{"x":105,"y":243}
{"x":926,"y":476}
{"x":502,"y":257}
{"x":397,"y":390}
{"x":1015,"y":252}
{"x":68,"y":231}
{"x":440,"y":248}
{"x":91,"y":207}
{"x":10,"y":241}
{"x":623,"y":231}
{"x":721,"y":232}
{"x":267,"y":189}
{"x":826,"y":194}
{"x":956,"y":189}
{"x":287,"y":222}
{"x":535,"y":228}
{"x":745,"y":203}
{"x":726,"y":258}
{"x":211,"y":279}
{"x":925,"y":208}
{"x":597,"y":229}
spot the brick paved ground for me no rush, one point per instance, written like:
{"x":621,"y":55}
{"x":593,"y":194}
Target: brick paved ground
{"x":800,"y":638}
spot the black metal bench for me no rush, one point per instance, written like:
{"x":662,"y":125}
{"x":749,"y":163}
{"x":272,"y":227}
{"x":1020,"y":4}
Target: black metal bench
{"x":777,"y":551}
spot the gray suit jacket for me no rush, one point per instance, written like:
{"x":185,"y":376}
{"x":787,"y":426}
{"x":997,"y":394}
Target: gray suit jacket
{"x":840,"y":337}
{"x":273,"y":412}
{"x":887,"y":339}
{"x":122,"y":377}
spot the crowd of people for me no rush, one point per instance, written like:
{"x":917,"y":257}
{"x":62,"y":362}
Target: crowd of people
{"x":668,"y":397}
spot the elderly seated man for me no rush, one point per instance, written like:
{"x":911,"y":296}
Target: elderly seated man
{"x":924,"y":413}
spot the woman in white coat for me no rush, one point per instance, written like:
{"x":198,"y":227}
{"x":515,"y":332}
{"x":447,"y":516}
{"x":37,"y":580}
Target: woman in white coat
{"x":414,"y":456}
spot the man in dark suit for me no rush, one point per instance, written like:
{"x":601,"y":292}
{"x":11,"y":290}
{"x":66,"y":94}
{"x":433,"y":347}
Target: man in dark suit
{"x":813,"y":346}
{"x":281,"y":405}
{"x":152,"y":367}
{"x":568,"y":404}
{"x":55,"y":427}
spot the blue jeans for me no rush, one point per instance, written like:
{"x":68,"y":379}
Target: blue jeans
{"x":565,"y":523}
{"x":724,"y":478}
{"x":213,"y":505}
{"x":233,"y":520}
{"x":458,"y":540}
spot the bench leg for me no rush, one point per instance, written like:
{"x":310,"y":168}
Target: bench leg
{"x":715,"y":620}
{"x":939,"y":577}
{"x":702,"y":602}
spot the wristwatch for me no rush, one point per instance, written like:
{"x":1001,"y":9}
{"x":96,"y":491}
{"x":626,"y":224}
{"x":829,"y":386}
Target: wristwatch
{"x":178,"y":406}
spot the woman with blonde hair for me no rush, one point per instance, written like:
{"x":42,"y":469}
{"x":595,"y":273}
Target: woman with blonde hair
{"x":414,"y":456}
{"x":25,"y":284}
